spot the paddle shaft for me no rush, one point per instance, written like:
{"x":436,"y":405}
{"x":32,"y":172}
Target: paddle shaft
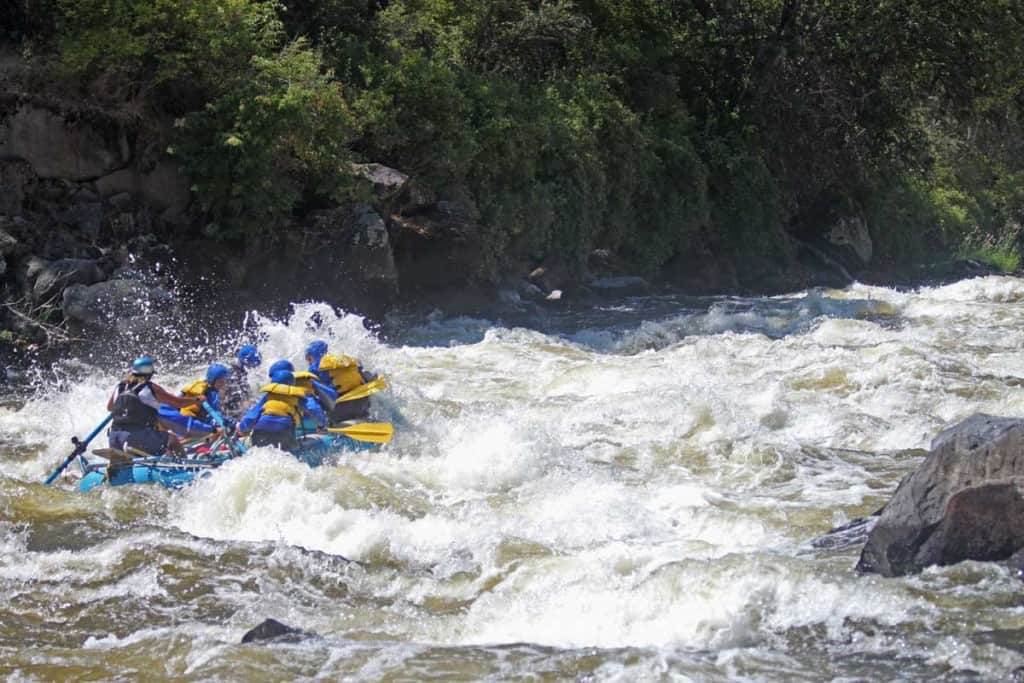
{"x":80,"y":447}
{"x":236,"y":448}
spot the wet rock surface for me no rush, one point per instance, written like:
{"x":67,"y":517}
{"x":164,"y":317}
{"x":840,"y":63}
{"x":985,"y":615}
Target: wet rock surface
{"x":272,"y":630}
{"x":965,"y":502}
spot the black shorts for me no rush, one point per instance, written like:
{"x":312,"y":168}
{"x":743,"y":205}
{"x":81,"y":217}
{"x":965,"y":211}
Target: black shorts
{"x":283,"y":439}
{"x":358,"y":409}
{"x":151,"y":441}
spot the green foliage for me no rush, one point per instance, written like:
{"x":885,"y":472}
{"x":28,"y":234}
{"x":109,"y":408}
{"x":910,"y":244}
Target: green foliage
{"x":254,"y":150}
{"x":635,"y":125}
{"x":195,"y":48}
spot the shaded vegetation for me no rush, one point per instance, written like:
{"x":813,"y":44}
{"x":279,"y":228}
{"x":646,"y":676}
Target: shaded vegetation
{"x":654,"y":128}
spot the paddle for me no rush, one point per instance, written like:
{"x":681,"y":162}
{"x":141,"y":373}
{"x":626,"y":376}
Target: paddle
{"x":364,"y":390}
{"x":374,"y":432}
{"x":235,"y":447}
{"x":80,"y":447}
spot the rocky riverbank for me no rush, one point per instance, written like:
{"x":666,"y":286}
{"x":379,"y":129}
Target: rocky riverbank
{"x":100,"y":233}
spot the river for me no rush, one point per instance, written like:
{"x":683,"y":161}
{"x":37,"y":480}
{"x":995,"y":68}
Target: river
{"x":618,"y":493}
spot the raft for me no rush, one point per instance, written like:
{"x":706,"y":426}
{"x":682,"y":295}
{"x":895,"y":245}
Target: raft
{"x":175,"y":472}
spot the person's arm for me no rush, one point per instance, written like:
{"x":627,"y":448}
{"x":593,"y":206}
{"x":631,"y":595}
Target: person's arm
{"x":327,"y":394}
{"x":252,"y":416}
{"x":110,"y":401}
{"x":170,"y":399}
{"x":311,"y":407}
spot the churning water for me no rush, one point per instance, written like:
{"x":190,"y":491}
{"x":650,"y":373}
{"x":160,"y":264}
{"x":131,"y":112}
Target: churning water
{"x":625,"y":493}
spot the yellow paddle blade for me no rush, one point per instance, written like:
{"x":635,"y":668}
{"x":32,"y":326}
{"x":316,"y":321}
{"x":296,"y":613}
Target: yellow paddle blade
{"x":374,"y":432}
{"x":364,"y":390}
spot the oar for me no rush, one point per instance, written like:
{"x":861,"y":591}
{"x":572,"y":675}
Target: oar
{"x":374,"y":432}
{"x":80,"y":447}
{"x":364,"y":390}
{"x":236,"y":448}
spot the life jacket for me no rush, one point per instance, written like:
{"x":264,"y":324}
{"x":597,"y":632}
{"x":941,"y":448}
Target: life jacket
{"x":198,"y":388}
{"x":283,"y":400}
{"x":130,"y":413}
{"x":343,"y":370}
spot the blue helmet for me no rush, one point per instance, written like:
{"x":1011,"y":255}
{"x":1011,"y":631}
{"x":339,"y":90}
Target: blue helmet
{"x":317,"y":349}
{"x":281,"y":365}
{"x":282,"y":377}
{"x":249,"y":356}
{"x":216,"y":371}
{"x":143,"y":365}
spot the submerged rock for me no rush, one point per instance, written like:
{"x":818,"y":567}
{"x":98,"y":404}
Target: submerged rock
{"x":272,"y":629}
{"x":965,"y":502}
{"x":853,"y":533}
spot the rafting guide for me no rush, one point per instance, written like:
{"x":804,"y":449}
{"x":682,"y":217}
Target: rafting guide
{"x":135,"y":405}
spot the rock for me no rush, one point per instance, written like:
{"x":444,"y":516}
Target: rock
{"x":623,"y":285}
{"x":122,"y":201}
{"x":964,"y":502}
{"x":439,"y":247}
{"x":358,"y":245}
{"x":33,"y":267}
{"x":87,"y":218}
{"x":85,"y":196}
{"x":17,"y":182}
{"x":60,"y":147}
{"x":163,"y":187}
{"x":51,"y":277}
{"x":553,"y":274}
{"x":851,"y":232}
{"x":525,"y":289}
{"x":981,"y":523}
{"x":8,"y":244}
{"x":702,"y":273}
{"x":852,"y":534}
{"x":386,"y":181}
{"x":116,"y":305}
{"x":271,"y":629}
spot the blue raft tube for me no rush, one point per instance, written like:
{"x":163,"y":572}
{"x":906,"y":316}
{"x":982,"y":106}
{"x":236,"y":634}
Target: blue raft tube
{"x":175,"y":472}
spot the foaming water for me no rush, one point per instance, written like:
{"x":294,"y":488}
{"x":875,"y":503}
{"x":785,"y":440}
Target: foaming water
{"x":622,"y":493}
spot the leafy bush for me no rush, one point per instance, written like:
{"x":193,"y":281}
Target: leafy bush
{"x":254,"y":150}
{"x":187,"y":51}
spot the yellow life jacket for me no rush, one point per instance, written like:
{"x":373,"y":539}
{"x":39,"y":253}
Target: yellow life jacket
{"x":344,"y":372}
{"x":304,"y":379}
{"x":197,"y":388}
{"x":283,"y":401}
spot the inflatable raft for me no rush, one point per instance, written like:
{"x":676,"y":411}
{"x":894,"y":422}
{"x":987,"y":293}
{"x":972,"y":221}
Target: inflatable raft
{"x":176,"y":472}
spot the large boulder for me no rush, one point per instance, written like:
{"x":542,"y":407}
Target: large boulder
{"x":385,"y":181}
{"x":439,"y":247}
{"x":115,"y":305}
{"x":851,"y":237}
{"x":360,"y":246}
{"x":965,"y":502}
{"x":341,"y":256}
{"x":50,"y":277}
{"x":58,"y":145}
{"x":163,"y":186}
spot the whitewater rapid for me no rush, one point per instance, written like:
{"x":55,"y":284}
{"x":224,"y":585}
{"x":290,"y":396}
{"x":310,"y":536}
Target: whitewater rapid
{"x":620,"y":493}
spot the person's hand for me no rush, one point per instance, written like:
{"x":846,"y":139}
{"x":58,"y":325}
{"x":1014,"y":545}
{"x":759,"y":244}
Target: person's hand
{"x":197,"y":400}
